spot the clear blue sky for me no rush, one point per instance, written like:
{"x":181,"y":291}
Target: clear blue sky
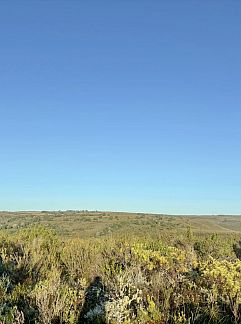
{"x":121,"y":105}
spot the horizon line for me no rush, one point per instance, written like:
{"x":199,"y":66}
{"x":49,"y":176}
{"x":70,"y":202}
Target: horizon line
{"x":115,"y":211}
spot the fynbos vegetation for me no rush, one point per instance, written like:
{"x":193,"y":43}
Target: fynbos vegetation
{"x":188,"y":278}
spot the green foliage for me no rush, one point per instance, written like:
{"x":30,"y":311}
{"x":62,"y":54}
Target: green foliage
{"x":130,"y":279}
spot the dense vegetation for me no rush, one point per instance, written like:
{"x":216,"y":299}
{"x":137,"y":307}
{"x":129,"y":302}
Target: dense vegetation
{"x":86,"y":224}
{"x":173,"y":277}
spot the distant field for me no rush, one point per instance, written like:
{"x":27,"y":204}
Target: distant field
{"x":86,"y":224}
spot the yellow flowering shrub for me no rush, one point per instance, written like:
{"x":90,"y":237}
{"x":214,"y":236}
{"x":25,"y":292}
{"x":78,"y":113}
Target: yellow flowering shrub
{"x":167,"y":258}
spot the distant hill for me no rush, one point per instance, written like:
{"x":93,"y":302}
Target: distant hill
{"x":100,"y":223}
